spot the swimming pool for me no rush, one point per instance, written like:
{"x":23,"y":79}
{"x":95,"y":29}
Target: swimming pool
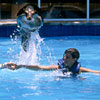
{"x":24,"y":84}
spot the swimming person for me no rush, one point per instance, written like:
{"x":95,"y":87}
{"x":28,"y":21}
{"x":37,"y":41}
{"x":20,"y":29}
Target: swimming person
{"x":69,"y":63}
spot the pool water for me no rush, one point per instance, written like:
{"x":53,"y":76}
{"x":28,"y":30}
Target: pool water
{"x":24,"y":84}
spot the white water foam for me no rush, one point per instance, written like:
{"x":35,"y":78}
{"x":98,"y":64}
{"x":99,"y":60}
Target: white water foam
{"x":34,"y":51}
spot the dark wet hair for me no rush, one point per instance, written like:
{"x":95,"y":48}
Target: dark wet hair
{"x":74,"y":52}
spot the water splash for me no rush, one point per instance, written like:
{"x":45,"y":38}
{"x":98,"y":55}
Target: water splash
{"x":35,"y":54}
{"x":11,"y":50}
{"x":30,"y":48}
{"x":34,"y":51}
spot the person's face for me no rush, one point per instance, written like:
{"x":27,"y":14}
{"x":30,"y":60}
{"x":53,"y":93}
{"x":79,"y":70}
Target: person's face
{"x":68,"y":60}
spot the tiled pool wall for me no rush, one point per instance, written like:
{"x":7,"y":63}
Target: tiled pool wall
{"x":48,"y":30}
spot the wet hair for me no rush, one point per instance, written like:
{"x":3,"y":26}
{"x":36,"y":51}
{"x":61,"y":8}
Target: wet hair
{"x":74,"y":52}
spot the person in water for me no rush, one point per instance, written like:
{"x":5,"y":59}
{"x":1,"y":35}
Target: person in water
{"x":69,"y":63}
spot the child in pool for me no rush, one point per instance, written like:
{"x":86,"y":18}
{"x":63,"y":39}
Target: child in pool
{"x":69,"y":63}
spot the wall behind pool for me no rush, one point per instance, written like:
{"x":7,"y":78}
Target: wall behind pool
{"x":49,"y":30}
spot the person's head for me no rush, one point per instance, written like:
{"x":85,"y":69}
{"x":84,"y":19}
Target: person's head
{"x":71,"y":56}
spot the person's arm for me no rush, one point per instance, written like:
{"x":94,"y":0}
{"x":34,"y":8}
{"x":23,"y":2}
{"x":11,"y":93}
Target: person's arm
{"x":32,"y":67}
{"x":37,"y":67}
{"x":82,"y":69}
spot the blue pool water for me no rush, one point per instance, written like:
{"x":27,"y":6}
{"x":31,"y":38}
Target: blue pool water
{"x":24,"y":84}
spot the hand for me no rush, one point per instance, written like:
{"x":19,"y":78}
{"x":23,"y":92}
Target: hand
{"x":11,"y":66}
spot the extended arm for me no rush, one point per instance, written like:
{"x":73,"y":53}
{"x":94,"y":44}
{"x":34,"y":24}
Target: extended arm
{"x":32,"y":67}
{"x":82,"y":69}
{"x":37,"y":67}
